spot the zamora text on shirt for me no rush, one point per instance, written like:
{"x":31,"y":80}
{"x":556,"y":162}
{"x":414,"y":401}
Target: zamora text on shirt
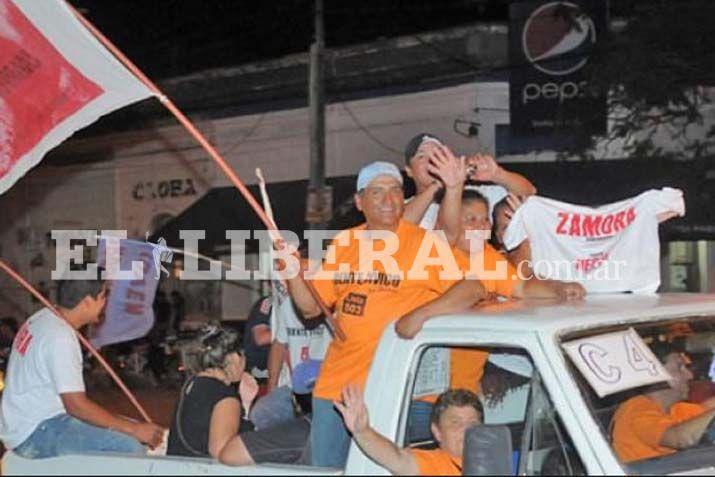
{"x":579,"y":225}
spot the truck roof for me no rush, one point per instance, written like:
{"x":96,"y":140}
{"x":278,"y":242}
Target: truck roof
{"x":558,"y":317}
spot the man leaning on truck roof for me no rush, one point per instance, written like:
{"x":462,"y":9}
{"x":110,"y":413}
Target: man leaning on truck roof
{"x":367,"y":301}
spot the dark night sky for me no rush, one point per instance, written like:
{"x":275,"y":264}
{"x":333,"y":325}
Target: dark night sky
{"x":171,"y":37}
{"x":174,"y":37}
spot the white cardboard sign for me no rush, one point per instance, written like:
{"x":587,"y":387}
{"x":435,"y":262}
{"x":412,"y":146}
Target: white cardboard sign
{"x":615,"y":362}
{"x":433,"y":372}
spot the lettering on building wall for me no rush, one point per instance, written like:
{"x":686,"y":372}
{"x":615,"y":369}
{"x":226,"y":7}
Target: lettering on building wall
{"x":144,"y":190}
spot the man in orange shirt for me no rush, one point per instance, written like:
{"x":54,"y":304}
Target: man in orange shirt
{"x":454,"y":412}
{"x":660,"y":422}
{"x":369,"y":293}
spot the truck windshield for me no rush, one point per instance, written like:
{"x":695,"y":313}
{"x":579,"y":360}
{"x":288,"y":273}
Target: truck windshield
{"x":651,"y":388}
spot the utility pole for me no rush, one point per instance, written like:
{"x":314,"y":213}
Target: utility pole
{"x":319,"y":198}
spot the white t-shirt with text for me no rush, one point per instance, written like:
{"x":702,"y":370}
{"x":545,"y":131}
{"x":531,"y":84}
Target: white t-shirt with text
{"x":302,"y":344}
{"x":46,"y":361}
{"x":613,"y":248}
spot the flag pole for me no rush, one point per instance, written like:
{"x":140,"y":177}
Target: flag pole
{"x":16,"y":276}
{"x":213,"y":153}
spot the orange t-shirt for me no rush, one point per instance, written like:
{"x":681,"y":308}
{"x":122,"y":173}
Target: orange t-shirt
{"x":501,"y":285}
{"x":639,"y":425}
{"x":437,"y":462}
{"x":684,"y":411}
{"x":366,"y":302}
{"x":466,"y":366}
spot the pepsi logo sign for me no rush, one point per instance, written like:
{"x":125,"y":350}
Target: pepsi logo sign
{"x":557,"y":38}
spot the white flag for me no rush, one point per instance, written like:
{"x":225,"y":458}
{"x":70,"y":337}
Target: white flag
{"x":55,"y":78}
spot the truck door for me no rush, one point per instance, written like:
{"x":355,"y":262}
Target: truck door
{"x":511,"y":393}
{"x":546,"y":447}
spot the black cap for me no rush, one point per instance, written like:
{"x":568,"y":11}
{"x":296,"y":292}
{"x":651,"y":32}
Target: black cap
{"x":415,"y":143}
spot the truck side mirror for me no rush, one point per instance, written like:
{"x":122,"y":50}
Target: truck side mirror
{"x":487,"y":451}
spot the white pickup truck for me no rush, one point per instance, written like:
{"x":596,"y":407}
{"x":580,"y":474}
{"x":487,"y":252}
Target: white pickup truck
{"x":556,"y":420}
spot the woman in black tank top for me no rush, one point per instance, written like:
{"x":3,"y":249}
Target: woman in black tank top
{"x":212,"y":402}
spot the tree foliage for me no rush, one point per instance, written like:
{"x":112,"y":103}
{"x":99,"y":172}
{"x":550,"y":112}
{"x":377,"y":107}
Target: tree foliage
{"x":659,"y":70}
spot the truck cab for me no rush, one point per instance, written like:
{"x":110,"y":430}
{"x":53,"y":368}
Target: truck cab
{"x":529,"y":379}
{"x":558,"y":422}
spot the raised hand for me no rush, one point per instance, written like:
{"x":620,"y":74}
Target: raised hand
{"x":353,"y":409}
{"x":514,"y":202}
{"x":451,"y":170}
{"x":483,"y":168}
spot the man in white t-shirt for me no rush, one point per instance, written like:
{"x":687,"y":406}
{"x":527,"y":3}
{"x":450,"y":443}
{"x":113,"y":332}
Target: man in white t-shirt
{"x":45,"y":411}
{"x":296,"y":354}
{"x":423,"y":208}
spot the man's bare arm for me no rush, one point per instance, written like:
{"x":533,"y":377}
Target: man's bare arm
{"x":514,"y":183}
{"x":416,"y":208}
{"x":303,"y":299}
{"x":378,"y":448}
{"x":78,"y":405}
{"x":275,"y":363}
{"x":486,"y":169}
{"x":544,"y":288}
{"x":687,"y":434}
{"x":461,"y":296}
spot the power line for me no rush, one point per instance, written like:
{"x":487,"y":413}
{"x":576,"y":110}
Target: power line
{"x":248,"y":134}
{"x":369,"y":133}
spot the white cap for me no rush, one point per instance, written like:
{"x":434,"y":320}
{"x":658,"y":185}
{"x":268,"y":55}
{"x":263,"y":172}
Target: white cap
{"x":376,"y":169}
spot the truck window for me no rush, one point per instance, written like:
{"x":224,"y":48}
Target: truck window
{"x":684,"y":346}
{"x":546,"y":443}
{"x":510,"y":393}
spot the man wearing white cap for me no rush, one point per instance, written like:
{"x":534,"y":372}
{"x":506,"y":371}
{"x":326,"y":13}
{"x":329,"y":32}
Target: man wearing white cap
{"x":368,"y":294}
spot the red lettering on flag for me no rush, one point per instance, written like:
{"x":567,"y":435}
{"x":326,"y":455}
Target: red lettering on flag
{"x":135,"y":295}
{"x":39,"y":88}
{"x":134,"y":308}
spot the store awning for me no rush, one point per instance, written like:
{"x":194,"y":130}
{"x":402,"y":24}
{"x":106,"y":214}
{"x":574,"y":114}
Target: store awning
{"x":224,"y":208}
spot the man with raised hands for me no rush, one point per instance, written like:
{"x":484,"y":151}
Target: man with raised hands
{"x":425,"y":159}
{"x":370,"y":282}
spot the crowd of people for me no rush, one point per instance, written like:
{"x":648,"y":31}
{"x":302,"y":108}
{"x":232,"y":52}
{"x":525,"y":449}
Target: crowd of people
{"x":314,"y":407}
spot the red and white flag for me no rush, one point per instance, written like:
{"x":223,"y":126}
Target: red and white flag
{"x":55,"y":78}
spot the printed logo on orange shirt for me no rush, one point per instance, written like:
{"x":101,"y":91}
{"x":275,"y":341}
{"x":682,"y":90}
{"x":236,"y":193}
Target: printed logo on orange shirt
{"x":354,"y":304}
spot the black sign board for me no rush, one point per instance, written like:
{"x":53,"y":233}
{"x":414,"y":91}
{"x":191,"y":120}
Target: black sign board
{"x":549,"y":45}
